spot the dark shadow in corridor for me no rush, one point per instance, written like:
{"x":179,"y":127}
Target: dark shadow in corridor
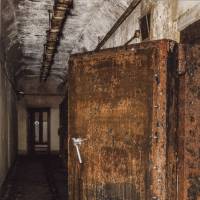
{"x":36,"y":178}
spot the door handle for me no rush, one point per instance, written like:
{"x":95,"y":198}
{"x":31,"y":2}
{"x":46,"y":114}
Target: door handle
{"x":77,"y":142}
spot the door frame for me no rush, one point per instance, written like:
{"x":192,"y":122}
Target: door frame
{"x":31,"y":110}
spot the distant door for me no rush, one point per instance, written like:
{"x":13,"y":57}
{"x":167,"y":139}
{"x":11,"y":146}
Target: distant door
{"x":39,"y":137}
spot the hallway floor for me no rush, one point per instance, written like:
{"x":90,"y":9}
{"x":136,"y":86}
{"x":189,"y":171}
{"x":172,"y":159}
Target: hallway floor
{"x":36,"y":178}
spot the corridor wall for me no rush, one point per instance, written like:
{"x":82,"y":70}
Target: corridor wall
{"x":8,"y":125}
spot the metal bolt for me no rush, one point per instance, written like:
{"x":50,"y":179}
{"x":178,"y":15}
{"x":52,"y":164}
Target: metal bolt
{"x":156,"y":135}
{"x":155,"y":167}
{"x":159,"y":180}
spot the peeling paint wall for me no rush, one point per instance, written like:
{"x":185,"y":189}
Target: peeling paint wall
{"x":186,"y":6}
{"x":126,"y":30}
{"x":163,"y":15}
{"x":166,"y":20}
{"x":89,"y":21}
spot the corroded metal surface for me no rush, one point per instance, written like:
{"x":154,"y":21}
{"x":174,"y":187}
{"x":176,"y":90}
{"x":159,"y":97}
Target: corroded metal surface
{"x":172,"y":122}
{"x":164,"y":126}
{"x":190,"y":35}
{"x":118,"y":102}
{"x":189,"y":129}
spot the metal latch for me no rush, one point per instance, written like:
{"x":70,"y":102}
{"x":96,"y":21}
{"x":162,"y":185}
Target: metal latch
{"x":77,"y":142}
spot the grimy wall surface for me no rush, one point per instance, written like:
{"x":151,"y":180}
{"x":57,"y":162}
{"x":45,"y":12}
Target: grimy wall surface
{"x":8,"y":125}
{"x":168,"y":17}
{"x":124,"y":103}
{"x":8,"y":113}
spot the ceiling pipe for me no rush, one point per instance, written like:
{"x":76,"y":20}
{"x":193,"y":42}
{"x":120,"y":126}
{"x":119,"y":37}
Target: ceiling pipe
{"x":56,"y":23}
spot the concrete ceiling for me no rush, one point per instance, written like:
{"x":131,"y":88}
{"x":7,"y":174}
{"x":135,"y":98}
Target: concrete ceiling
{"x":89,"y":21}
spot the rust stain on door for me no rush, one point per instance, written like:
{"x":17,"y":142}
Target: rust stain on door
{"x":118,"y":103}
{"x":189,"y":128}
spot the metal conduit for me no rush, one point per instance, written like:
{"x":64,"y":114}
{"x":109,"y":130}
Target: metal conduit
{"x":56,"y":22}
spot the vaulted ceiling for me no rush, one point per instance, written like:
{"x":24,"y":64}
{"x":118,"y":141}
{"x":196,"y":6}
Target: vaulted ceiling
{"x":87,"y":23}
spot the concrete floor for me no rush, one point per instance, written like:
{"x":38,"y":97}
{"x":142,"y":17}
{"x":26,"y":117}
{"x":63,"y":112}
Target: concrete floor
{"x":36,"y":178}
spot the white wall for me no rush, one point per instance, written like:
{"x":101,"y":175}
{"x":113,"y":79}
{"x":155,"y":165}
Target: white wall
{"x":189,"y":16}
{"x":126,"y":30}
{"x":54,"y":129}
{"x":186,"y":5}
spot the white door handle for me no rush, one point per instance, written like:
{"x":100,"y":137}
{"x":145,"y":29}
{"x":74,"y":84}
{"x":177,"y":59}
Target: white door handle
{"x":77,"y":142}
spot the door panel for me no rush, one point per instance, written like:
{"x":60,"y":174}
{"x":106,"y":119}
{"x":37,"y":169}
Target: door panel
{"x":189,"y":127}
{"x":117,"y":105}
{"x":45,"y":127}
{"x":36,"y":127}
{"x":39,"y":130}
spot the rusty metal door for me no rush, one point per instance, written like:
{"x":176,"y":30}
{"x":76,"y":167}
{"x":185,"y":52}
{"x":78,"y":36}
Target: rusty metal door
{"x":189,"y":126}
{"x":117,"y":122}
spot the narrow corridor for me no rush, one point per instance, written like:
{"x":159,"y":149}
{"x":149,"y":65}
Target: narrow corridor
{"x":99,"y":99}
{"x":36,"y":178}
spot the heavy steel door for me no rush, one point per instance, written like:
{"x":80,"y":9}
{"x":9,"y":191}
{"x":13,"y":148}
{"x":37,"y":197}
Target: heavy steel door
{"x":118,"y":123}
